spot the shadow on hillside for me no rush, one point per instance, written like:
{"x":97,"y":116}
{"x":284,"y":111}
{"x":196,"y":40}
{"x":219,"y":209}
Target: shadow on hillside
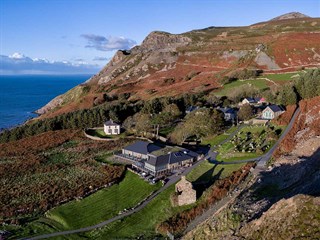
{"x":206,"y":180}
{"x":284,"y":181}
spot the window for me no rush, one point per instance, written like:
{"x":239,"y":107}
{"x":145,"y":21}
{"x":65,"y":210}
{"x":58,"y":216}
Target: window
{"x":110,"y":131}
{"x":116,"y":131}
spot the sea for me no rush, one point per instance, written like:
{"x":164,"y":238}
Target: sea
{"x":21,"y":95}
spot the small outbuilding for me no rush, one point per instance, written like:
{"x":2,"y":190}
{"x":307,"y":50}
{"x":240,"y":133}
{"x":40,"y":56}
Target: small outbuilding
{"x":111,"y":128}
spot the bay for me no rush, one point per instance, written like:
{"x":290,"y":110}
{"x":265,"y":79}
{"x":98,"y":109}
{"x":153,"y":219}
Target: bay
{"x":21,"y":95}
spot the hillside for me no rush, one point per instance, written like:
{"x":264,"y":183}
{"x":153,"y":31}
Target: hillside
{"x":172,"y":64}
{"x":284,"y":203}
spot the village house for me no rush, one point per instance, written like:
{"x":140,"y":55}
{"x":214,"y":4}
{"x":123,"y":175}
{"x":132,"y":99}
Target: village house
{"x":111,"y":128}
{"x":229,"y":113}
{"x":156,"y":160}
{"x":252,"y":101}
{"x":272,"y":111}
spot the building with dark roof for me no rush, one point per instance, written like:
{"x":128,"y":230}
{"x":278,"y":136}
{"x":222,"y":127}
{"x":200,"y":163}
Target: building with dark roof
{"x":158,"y":165}
{"x":157,"y":160}
{"x":229,"y":113}
{"x":253,"y":100}
{"x":111,"y":128}
{"x":140,"y":149}
{"x":272,"y":111}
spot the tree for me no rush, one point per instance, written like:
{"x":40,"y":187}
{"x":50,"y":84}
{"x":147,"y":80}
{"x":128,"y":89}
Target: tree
{"x":287,"y":96}
{"x":245,"y":112}
{"x":200,"y":123}
{"x":142,"y":122}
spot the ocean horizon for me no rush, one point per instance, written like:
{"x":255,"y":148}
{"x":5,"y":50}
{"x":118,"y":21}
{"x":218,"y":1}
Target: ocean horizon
{"x":22,"y":95}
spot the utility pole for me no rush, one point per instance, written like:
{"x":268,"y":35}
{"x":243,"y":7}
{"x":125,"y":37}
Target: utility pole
{"x":157,"y":131}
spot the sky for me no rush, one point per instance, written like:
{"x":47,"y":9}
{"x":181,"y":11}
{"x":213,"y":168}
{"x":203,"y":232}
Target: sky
{"x":80,"y":36}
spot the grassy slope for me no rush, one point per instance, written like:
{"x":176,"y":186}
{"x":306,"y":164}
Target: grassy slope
{"x":104,"y":204}
{"x":91,"y":210}
{"x":206,"y":170}
{"x":142,"y":223}
{"x":258,"y":83}
{"x":281,"y":76}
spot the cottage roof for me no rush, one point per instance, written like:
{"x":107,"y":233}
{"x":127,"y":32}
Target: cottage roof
{"x":142,"y":147}
{"x":275,"y":108}
{"x":226,"y":110}
{"x":111,"y":123}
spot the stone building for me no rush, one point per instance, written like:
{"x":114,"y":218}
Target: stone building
{"x":186,"y":194}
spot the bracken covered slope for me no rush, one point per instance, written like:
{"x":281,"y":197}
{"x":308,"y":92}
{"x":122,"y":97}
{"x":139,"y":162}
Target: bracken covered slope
{"x":172,"y":64}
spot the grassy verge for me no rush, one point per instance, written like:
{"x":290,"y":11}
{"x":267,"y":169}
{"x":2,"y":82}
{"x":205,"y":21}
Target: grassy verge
{"x":206,"y":171}
{"x":100,"y":206}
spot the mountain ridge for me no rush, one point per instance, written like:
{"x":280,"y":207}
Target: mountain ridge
{"x":170,"y":64}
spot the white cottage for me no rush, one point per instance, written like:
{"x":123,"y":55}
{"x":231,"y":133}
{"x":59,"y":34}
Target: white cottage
{"x":111,"y":128}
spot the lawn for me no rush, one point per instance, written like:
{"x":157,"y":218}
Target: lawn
{"x":142,"y":223}
{"x":100,"y":206}
{"x":104,"y":204}
{"x":215,"y":140}
{"x":258,"y":83}
{"x":281,"y":76}
{"x":206,"y":171}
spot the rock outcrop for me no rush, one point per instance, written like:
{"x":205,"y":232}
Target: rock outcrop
{"x":291,"y":15}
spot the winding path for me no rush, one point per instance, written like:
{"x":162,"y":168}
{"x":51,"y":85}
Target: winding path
{"x":173,"y":179}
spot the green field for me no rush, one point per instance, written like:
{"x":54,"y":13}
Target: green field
{"x":281,"y":76}
{"x":100,"y":206}
{"x":258,"y":83}
{"x":206,"y":171}
{"x":142,"y":223}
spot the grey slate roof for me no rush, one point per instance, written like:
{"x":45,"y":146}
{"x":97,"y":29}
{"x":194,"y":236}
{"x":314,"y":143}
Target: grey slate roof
{"x":142,"y":147}
{"x":171,"y":158}
{"x":253,"y":100}
{"x":111,"y":123}
{"x":275,"y":108}
{"x":226,"y":110}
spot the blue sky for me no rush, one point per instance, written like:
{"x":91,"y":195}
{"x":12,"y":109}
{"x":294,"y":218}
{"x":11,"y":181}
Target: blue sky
{"x":81,"y":33}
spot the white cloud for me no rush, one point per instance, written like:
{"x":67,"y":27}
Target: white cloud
{"x":18,"y":63}
{"x":17,"y":56}
{"x":110,"y":43}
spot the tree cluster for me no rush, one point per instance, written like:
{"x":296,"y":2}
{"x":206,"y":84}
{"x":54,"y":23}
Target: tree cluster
{"x":200,"y":123}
